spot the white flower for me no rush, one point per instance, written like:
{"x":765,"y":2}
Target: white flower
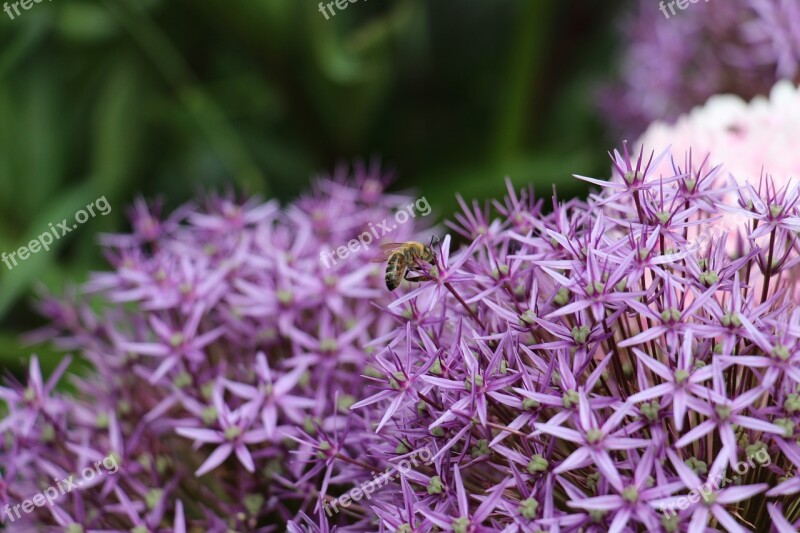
{"x":744,"y":138}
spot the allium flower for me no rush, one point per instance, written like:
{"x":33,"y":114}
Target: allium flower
{"x":733,"y":146}
{"x":670,"y":65}
{"x":34,"y":403}
{"x":594,"y":371}
{"x":587,"y":369}
{"x":224,"y":355}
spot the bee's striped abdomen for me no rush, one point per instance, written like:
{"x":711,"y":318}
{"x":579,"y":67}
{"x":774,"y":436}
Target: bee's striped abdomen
{"x":395,"y":270}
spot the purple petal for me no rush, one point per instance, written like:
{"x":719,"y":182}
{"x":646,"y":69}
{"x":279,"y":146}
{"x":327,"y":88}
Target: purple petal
{"x":216,"y":458}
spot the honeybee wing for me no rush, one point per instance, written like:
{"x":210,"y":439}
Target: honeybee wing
{"x":386,"y":250}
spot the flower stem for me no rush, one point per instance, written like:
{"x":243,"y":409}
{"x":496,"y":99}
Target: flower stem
{"x":768,"y":273}
{"x":463,"y":303}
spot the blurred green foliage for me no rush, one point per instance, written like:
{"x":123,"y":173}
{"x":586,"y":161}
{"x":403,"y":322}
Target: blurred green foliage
{"x":128,"y":97}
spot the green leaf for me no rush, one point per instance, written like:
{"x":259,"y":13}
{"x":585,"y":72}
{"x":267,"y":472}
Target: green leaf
{"x":14,"y":281}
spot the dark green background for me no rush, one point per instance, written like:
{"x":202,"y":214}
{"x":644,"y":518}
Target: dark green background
{"x":118,"y":98}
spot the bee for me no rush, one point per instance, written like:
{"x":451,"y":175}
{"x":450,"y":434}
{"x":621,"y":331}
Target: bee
{"x":404,"y":257}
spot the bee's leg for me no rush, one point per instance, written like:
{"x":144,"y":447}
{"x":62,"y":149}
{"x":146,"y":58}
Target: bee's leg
{"x":415,"y":264}
{"x":416,"y":279}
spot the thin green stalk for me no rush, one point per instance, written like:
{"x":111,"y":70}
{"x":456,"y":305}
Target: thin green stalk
{"x":211,"y":119}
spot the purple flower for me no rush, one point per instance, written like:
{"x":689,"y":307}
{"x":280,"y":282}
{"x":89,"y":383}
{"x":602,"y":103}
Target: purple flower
{"x":594,"y":362}
{"x":236,"y":431}
{"x":586,"y":369}
{"x":668,"y":66}
{"x":29,"y":404}
{"x":713,"y":497}
{"x":224,"y":357}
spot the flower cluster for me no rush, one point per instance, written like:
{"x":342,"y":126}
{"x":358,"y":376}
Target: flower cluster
{"x":588,"y":370}
{"x":739,"y":47}
{"x":224,"y":357}
{"x":730,"y":138}
{"x":583,"y":367}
